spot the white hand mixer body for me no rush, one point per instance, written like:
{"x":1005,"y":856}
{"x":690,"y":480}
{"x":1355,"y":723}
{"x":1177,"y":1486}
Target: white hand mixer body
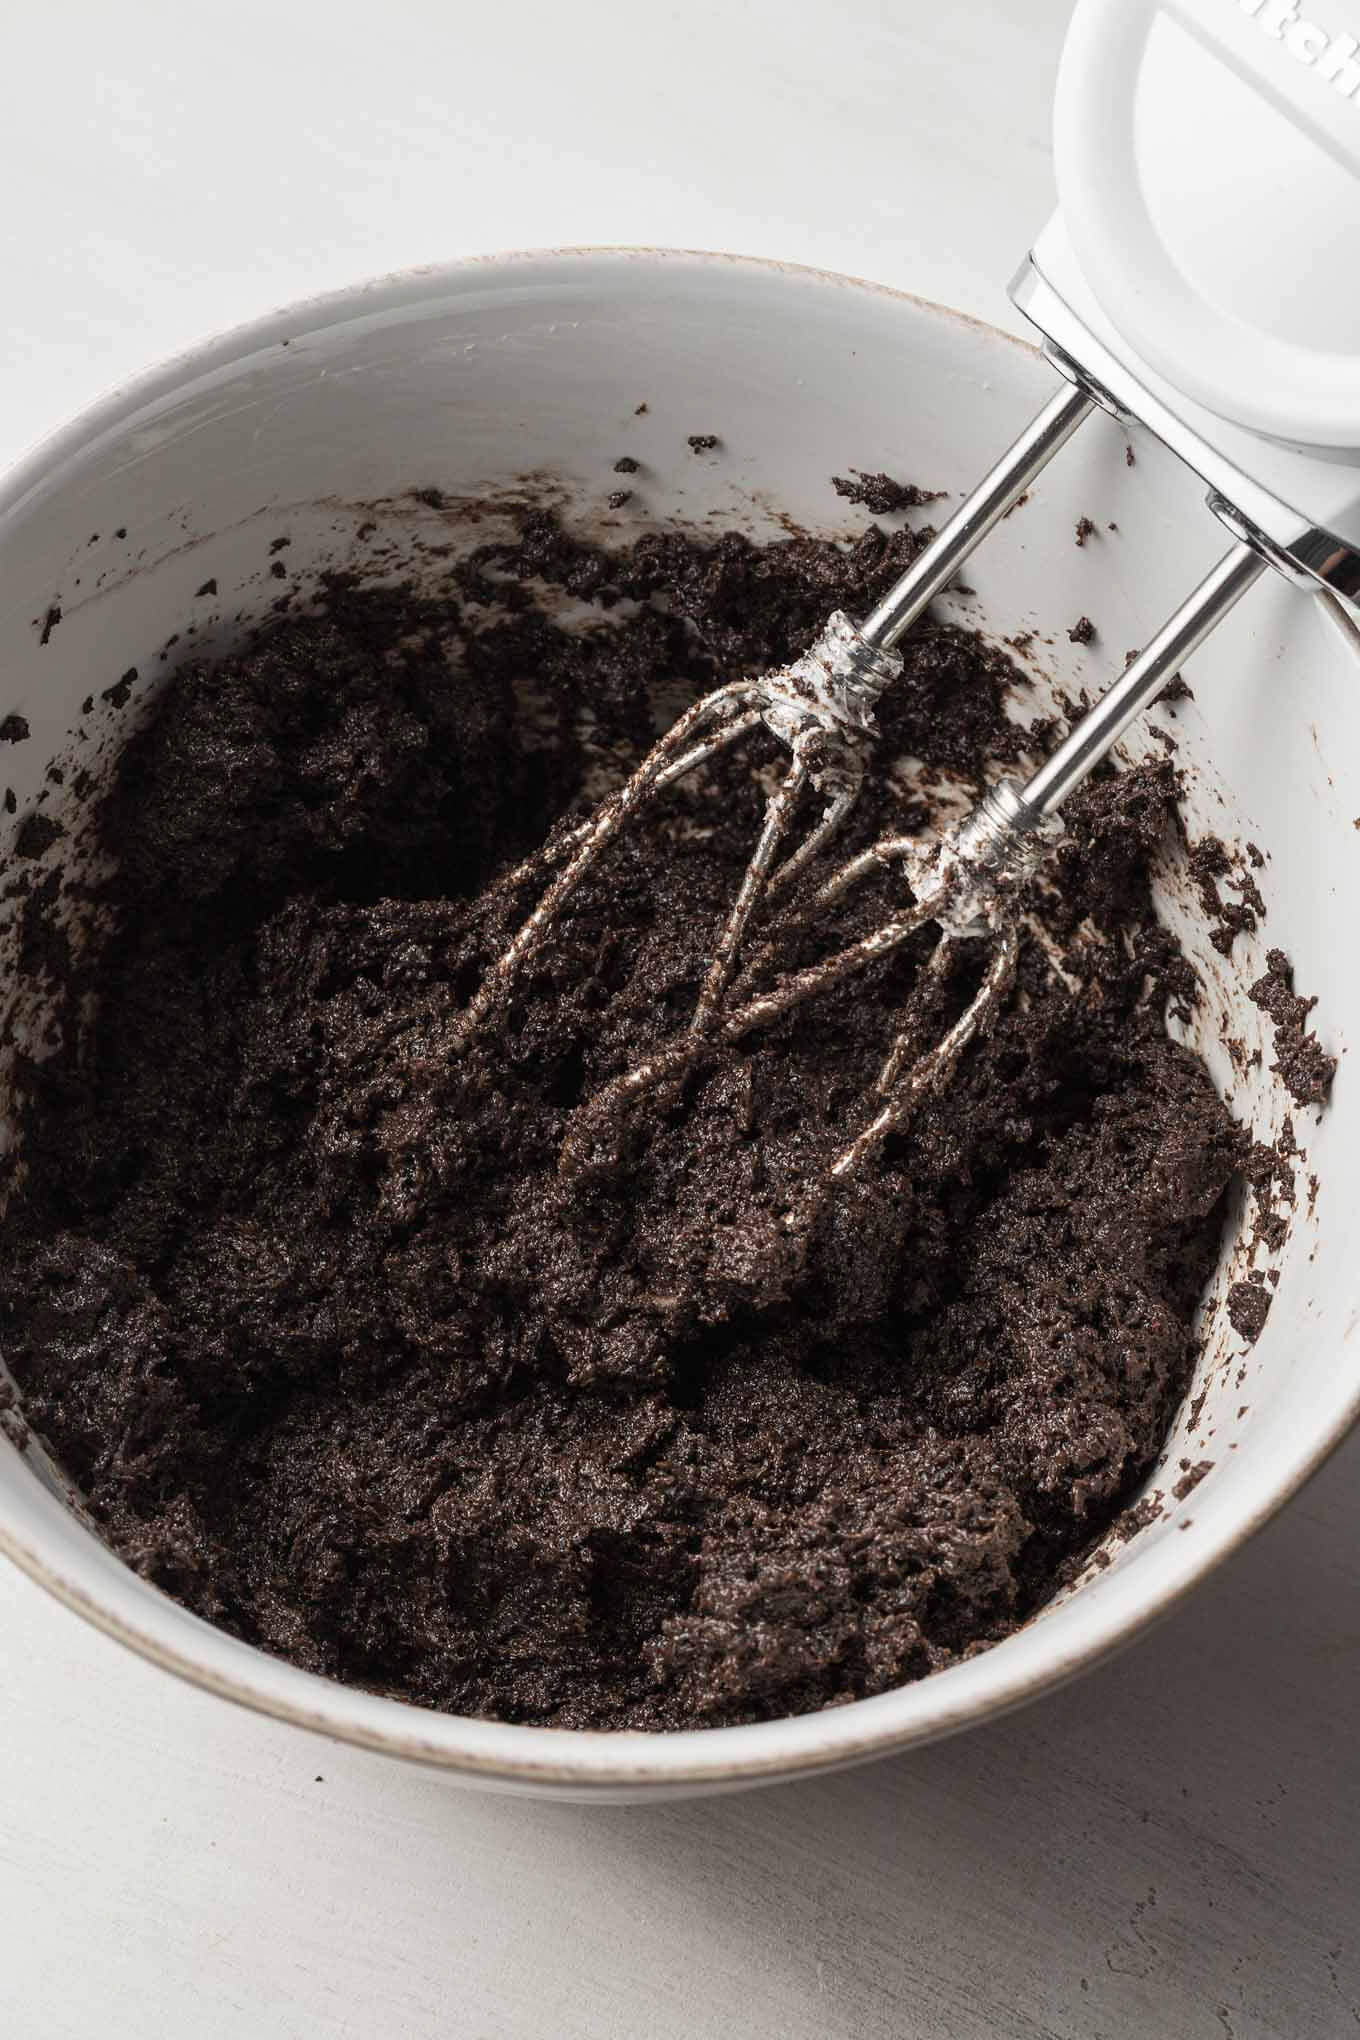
{"x":1202,"y":278}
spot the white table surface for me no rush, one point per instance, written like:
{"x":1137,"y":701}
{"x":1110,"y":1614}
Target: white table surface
{"x":1169,"y":1850}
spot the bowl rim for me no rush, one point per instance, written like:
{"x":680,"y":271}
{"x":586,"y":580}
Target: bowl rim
{"x":103,"y":1591}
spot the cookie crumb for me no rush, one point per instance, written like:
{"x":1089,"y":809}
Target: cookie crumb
{"x":35,"y":834}
{"x":117,"y":695}
{"x":1248,"y":1309}
{"x":1191,"y":1477}
{"x":881,"y":494}
{"x":1301,"y":1061}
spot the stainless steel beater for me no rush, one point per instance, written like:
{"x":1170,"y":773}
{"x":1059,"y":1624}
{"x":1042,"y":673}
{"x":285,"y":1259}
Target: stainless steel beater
{"x":821,"y":707}
{"x":1230,"y":335}
{"x":965,"y":883}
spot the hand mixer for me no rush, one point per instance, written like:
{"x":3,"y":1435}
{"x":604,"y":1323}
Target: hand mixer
{"x":1202,"y":278}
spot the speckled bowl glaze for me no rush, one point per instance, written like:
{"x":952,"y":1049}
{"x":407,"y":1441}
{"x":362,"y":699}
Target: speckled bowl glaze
{"x":471,"y":376}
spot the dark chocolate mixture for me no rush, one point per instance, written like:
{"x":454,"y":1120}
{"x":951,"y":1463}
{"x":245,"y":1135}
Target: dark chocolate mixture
{"x":343,"y":1361}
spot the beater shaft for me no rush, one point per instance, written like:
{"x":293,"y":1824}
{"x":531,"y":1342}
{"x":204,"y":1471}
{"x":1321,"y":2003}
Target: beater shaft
{"x":998,"y":492}
{"x":1097,"y":733}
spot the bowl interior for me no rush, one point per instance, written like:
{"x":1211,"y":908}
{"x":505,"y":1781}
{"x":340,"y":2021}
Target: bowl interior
{"x":145,"y":531}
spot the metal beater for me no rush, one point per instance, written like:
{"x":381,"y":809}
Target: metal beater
{"x":1252,"y":379}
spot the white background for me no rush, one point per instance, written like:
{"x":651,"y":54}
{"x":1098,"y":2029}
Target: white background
{"x":1169,"y":1850}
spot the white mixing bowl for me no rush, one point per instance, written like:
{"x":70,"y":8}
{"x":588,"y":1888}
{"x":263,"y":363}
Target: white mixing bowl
{"x":470,"y":376}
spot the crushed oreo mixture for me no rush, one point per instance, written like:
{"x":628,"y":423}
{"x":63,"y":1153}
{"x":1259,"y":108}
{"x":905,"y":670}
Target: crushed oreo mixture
{"x":343,"y":1361}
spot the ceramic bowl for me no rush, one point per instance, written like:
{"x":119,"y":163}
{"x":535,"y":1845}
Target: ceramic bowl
{"x":469,"y":377}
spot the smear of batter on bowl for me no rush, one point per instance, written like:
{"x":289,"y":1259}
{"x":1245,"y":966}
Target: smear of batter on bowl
{"x":342,"y":1362}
